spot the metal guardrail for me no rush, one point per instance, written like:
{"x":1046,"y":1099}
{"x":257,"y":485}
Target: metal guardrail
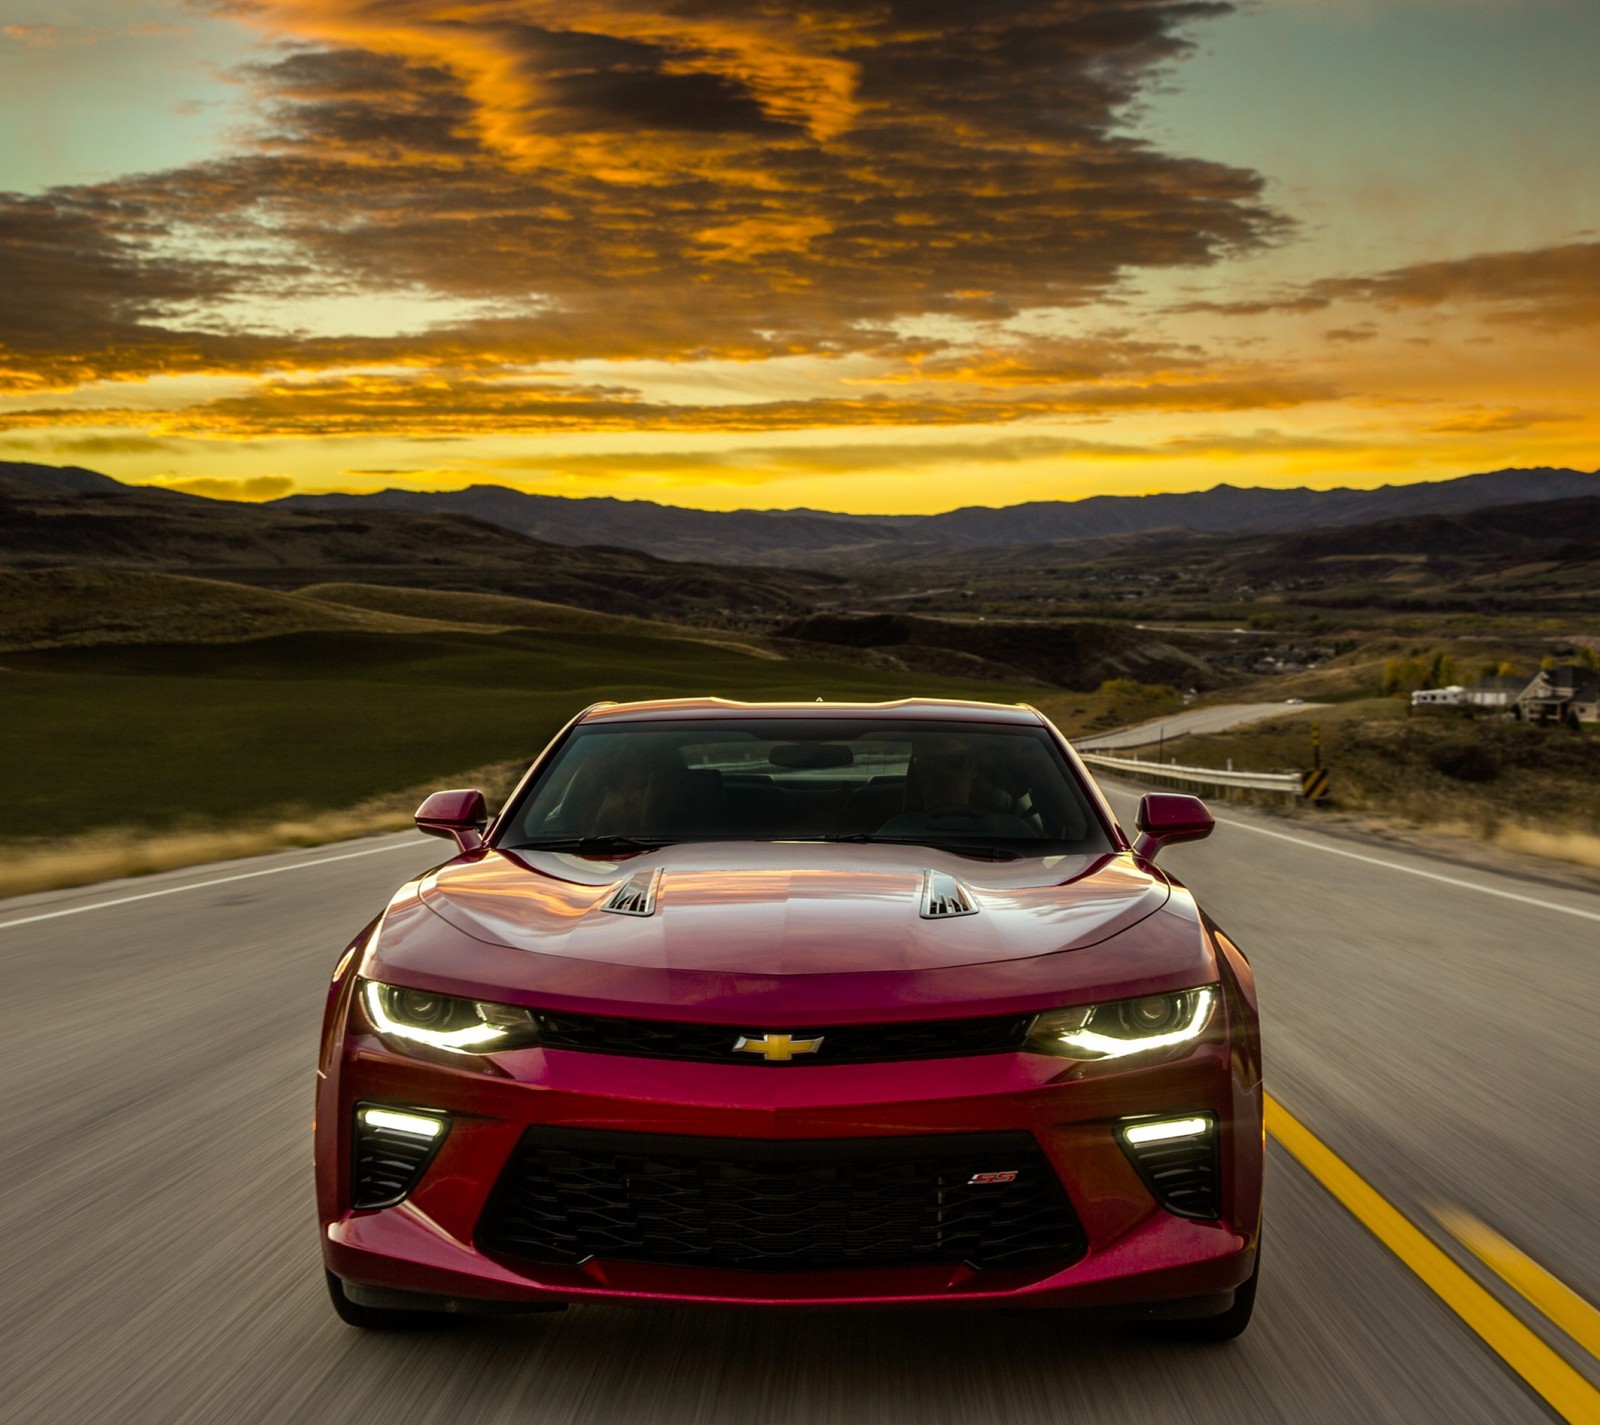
{"x":1292,"y":784}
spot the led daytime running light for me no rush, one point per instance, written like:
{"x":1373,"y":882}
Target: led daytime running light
{"x":470,"y":1037}
{"x":1108,"y":1046}
{"x":413,"y":1123}
{"x":1082,"y":1033}
{"x":1166,"y":1130}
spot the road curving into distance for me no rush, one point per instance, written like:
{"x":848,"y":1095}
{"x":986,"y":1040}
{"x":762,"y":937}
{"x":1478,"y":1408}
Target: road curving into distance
{"x":1197,"y":720}
{"x":1431,"y":1045}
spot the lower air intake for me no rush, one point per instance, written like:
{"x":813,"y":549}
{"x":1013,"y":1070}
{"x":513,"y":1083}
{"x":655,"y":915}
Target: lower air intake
{"x":990,"y":1200}
{"x":387,"y":1162}
{"x":1182,"y":1174}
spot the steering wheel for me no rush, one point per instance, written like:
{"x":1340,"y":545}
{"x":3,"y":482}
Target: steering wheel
{"x":964,"y":812}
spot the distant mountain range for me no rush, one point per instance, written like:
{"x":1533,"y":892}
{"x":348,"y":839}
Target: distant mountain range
{"x":794,"y":539}
{"x":801,"y":538}
{"x":54,"y":517}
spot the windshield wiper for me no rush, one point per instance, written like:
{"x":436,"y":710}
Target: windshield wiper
{"x":980,"y":850}
{"x":590,"y":845}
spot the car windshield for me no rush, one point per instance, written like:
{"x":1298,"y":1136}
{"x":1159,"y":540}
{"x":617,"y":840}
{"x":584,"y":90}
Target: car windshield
{"x":992,"y":789}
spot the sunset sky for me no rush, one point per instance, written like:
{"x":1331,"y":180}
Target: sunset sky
{"x":897,"y":256}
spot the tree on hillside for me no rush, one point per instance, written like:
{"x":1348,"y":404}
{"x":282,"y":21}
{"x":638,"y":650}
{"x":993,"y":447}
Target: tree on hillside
{"x":1442,"y":671}
{"x":1403,"y":676}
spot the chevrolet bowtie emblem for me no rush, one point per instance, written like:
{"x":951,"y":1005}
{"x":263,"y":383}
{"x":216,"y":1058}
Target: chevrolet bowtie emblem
{"x":776,"y":1048}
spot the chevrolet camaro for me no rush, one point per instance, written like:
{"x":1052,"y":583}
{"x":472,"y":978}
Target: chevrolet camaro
{"x":789,"y":1005}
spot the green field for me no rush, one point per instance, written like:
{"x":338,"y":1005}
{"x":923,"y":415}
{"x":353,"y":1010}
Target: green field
{"x":158,"y":737}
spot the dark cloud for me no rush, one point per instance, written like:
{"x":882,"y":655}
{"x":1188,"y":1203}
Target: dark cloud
{"x":1494,"y":422}
{"x":1544,"y":287}
{"x":129,"y":443}
{"x":621,"y":179}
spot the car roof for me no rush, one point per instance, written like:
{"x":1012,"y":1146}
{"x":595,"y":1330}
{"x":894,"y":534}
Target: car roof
{"x":901,"y":710}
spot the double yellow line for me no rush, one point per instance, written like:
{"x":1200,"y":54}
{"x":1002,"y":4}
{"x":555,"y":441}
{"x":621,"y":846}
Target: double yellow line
{"x":1563,"y":1388}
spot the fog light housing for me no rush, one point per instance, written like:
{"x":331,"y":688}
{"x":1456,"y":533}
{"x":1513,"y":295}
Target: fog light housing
{"x":1178,"y":1160}
{"x":393,"y":1147}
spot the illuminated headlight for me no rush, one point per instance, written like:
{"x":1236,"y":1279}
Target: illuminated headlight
{"x":1129,"y":1026}
{"x":466,"y":1026}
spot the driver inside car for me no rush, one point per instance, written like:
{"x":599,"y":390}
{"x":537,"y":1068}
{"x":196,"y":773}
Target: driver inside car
{"x":951,"y":787}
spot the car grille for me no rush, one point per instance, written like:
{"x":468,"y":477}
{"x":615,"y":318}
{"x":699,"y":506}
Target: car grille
{"x":797,"y":1205}
{"x":845,"y":1044}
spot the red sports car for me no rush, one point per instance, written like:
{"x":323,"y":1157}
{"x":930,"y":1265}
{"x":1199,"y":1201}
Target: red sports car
{"x":808,"y":1004}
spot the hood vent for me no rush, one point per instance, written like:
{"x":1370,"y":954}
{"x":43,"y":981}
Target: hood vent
{"x":636,"y":895}
{"x":943,"y":896}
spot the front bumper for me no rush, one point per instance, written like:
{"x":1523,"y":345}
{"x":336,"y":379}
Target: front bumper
{"x":1137,"y":1253}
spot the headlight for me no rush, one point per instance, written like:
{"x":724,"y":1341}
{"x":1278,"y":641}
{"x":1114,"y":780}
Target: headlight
{"x":1128,"y":1026}
{"x":468,"y":1026}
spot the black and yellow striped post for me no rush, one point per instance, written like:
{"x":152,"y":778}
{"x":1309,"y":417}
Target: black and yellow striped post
{"x":1314,"y":782}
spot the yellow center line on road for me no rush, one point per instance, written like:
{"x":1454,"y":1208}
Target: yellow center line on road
{"x":1525,"y":1276}
{"x":1561,"y":1387}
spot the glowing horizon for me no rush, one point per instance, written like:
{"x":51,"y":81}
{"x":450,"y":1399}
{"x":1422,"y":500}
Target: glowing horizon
{"x":808,"y":254}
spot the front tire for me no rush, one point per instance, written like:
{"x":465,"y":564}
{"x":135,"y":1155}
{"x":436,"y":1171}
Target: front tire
{"x":1226,"y":1327}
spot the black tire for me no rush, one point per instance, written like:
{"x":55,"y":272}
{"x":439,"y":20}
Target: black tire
{"x":1226,"y":1327}
{"x":378,"y":1318}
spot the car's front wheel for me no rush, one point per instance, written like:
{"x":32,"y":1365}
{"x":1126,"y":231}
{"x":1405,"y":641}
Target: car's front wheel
{"x":1230,"y":1324}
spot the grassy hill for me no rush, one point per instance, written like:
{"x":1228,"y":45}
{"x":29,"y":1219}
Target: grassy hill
{"x":162,"y":736}
{"x":52,"y":608}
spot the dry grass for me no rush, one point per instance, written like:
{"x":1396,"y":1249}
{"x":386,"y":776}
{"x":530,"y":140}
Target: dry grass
{"x":510,"y":611}
{"x":113,"y":853}
{"x":1535,"y":794}
{"x":1116,"y":704}
{"x":1581,"y":848}
{"x":76,"y":608}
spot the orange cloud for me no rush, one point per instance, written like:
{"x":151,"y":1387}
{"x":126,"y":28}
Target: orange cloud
{"x":622,"y":178}
{"x":253,"y":488}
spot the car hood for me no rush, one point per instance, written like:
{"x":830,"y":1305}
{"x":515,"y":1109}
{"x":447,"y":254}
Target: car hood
{"x":791,"y":909}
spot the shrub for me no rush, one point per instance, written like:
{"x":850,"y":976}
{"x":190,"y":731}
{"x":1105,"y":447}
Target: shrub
{"x":1142,"y":692}
{"x":1465,"y":761}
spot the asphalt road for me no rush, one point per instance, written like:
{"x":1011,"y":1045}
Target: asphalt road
{"x":1213,"y":719}
{"x":157,"y":1240}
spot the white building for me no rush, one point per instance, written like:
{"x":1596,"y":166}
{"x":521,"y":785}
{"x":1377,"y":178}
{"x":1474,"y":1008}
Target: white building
{"x":1454,"y":696}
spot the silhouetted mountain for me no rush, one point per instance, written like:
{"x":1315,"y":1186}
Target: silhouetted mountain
{"x":1230,"y":509}
{"x":795,"y":538}
{"x":1541,"y":556}
{"x":58,"y":479}
{"x":801,"y":538}
{"x":52,"y":518}
{"x":819,"y":539}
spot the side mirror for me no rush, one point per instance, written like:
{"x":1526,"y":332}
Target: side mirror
{"x":459,"y":814}
{"x":1167,"y":816}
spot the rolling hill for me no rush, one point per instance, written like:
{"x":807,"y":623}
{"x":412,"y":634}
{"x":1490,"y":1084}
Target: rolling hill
{"x":51,"y":518}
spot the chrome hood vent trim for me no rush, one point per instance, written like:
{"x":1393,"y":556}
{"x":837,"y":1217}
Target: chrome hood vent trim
{"x":636,"y":895}
{"x":943,"y":897}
